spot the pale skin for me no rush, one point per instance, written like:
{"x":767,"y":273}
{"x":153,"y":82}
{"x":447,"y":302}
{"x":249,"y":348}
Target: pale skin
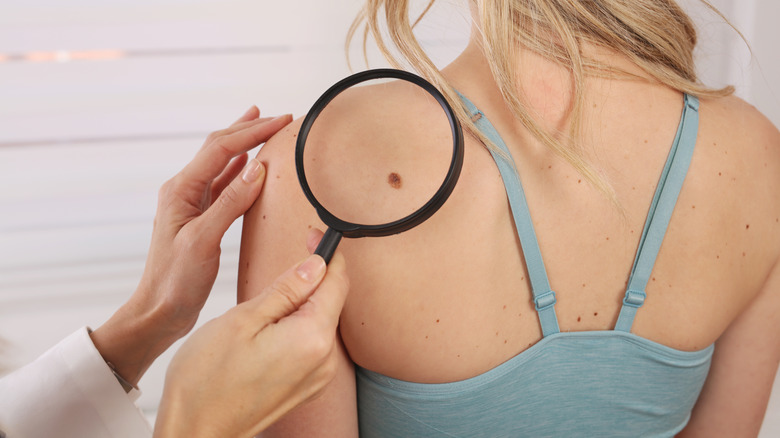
{"x":281,"y":348}
{"x":194,"y":210}
{"x":450,"y":299}
{"x":288,"y":331}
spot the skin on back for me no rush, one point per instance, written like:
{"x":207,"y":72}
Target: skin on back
{"x":450,"y":299}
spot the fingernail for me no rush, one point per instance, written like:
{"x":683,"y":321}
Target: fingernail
{"x":279,"y":117}
{"x":252,"y":171}
{"x":311,"y":269}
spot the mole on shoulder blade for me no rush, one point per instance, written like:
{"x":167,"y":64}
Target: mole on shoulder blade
{"x":394,"y":180}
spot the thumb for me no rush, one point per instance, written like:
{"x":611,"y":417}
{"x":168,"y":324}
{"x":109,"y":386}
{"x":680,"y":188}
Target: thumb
{"x":289,"y":291}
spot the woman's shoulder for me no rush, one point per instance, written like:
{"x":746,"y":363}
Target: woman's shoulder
{"x":736,"y":169}
{"x":741,"y":120}
{"x":741,"y":148}
{"x":381,"y":113}
{"x":387,"y":142}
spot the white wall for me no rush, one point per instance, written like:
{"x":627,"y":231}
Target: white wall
{"x":85,"y":143}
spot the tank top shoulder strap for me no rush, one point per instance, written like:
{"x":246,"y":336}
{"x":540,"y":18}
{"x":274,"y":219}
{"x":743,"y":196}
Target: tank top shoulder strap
{"x":544,"y":297}
{"x":660,"y":212}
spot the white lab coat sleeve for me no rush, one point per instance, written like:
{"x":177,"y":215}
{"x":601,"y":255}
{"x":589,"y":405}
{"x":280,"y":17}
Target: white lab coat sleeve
{"x":69,"y":392}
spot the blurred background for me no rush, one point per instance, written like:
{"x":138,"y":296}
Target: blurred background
{"x":102,"y":101}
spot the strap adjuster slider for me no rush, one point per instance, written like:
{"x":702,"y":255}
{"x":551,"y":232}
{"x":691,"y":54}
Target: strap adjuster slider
{"x":544,"y":301}
{"x":634,"y":298}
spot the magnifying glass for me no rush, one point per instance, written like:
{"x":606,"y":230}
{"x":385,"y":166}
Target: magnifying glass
{"x":378,"y":154}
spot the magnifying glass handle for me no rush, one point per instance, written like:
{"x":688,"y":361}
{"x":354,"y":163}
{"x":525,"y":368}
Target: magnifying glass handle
{"x":328,"y":244}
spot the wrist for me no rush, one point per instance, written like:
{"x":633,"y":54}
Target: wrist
{"x":130,"y":341}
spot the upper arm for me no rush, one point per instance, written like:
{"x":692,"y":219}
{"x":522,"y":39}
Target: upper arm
{"x":735,"y":395}
{"x":273,"y":239}
{"x":332,"y":413}
{"x":275,"y":227}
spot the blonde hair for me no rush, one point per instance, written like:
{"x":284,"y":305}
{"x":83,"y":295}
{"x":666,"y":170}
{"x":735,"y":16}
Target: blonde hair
{"x":656,"y":35}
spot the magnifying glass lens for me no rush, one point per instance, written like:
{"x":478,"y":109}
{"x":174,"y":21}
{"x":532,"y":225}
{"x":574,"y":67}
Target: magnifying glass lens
{"x":378,"y":152}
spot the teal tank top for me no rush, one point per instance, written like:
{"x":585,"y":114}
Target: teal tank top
{"x":577,"y":384}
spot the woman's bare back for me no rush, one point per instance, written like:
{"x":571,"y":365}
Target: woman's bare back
{"x":450,"y":299}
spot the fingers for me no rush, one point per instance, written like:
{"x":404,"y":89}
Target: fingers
{"x":227,"y":175}
{"x":328,"y":300}
{"x":233,"y":201}
{"x":222,"y":146}
{"x":330,"y":296}
{"x":252,"y":113}
{"x":288,"y":292}
{"x":313,"y":239}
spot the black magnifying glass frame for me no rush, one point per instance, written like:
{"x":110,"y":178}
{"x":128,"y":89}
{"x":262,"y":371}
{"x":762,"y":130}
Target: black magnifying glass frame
{"x":337,"y":227}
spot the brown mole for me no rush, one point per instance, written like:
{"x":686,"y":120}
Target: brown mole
{"x":394,"y":180}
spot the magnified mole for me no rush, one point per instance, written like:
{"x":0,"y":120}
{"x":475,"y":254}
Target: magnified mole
{"x":394,"y":180}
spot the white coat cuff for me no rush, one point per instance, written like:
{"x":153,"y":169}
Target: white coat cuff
{"x":69,"y":392}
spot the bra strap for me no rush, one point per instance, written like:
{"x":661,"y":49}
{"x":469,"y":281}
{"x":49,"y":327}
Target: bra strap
{"x":544,"y":297}
{"x":660,"y":213}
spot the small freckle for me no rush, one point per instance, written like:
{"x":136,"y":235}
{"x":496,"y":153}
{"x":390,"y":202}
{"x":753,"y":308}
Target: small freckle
{"x":717,"y":256}
{"x":653,"y":278}
{"x":607,"y":237}
{"x":744,"y":254}
{"x":426,"y":336}
{"x":505,"y":341}
{"x":670,"y":285}
{"x":583,"y":284}
{"x":522,"y":278}
{"x":747,"y":227}
{"x":645,"y":141}
{"x":720,"y":173}
{"x":278,"y":176}
{"x":504,"y":306}
{"x":549,"y":167}
{"x":246,"y":282}
{"x":579,"y":318}
{"x":458,"y":355}
{"x":633,"y":188}
{"x":632,"y":231}
{"x":594,"y":105}
{"x":263,"y":216}
{"x":363,"y":323}
{"x":693,"y":207}
{"x":437,"y":320}
{"x":496,"y":333}
{"x":714,"y":144}
{"x":579,"y":181}
{"x":595,"y":313}
{"x":310,"y":227}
